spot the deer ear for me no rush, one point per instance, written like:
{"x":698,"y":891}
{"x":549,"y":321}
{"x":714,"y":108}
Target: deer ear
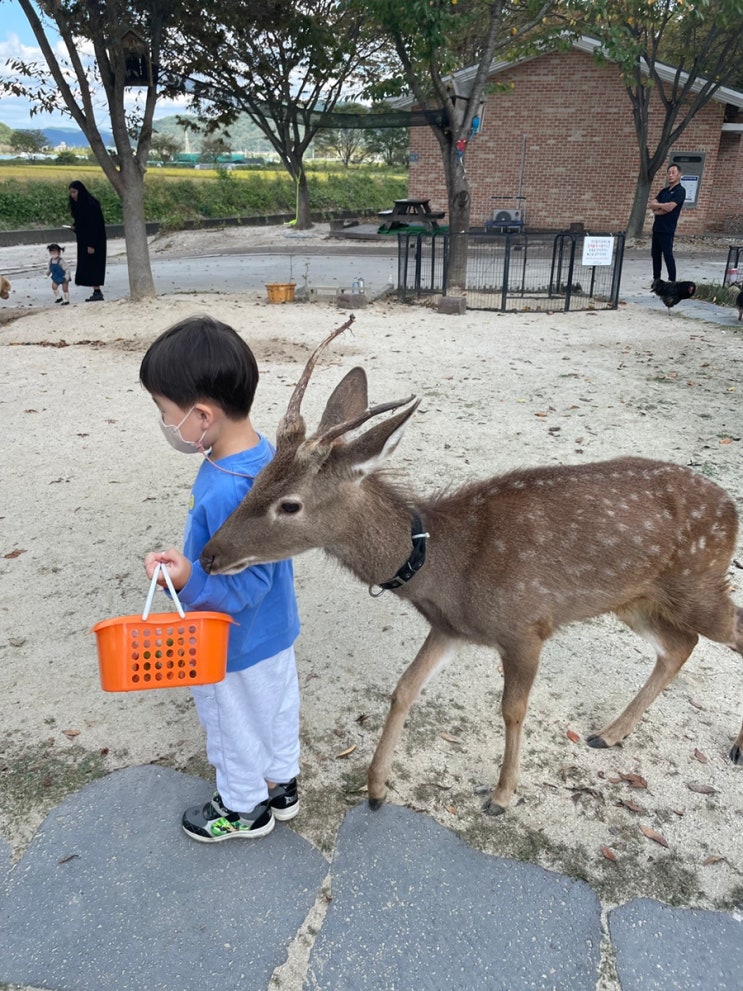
{"x":348,"y":400}
{"x":368,"y":452}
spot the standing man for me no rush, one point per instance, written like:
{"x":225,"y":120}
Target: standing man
{"x":666,"y":207}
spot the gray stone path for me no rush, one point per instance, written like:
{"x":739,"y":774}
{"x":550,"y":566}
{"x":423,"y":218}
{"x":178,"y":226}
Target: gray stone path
{"x":98,"y":902}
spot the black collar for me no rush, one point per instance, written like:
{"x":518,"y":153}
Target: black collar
{"x":414,"y":563}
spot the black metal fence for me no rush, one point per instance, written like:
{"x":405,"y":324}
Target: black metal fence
{"x":525,"y":270}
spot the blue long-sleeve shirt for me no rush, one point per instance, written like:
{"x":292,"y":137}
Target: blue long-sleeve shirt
{"x":260,"y":599}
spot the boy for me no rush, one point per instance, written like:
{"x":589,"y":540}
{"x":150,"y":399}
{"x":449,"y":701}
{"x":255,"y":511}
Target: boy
{"x":202,"y":377}
{"x":58,"y":272}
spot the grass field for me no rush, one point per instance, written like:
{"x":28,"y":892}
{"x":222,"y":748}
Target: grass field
{"x":35,"y":195}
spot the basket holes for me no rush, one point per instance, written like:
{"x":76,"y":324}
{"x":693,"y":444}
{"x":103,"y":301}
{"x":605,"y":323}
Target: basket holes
{"x":135,"y":678}
{"x":158,"y":677}
{"x":146,"y":666}
{"x":192,"y":652}
{"x":181,"y":674}
{"x":147,"y":643}
{"x":169,"y":642}
{"x":135,"y":655}
{"x":181,"y":652}
{"x":159,"y":665}
{"x":192,"y":629}
{"x":192,"y":674}
{"x":135,"y":667}
{"x":168,"y":653}
{"x":148,"y":677}
{"x":147,"y":655}
{"x":158,"y":653}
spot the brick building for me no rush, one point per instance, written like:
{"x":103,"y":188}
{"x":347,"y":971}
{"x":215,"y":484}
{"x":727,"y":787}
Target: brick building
{"x":563,"y":136}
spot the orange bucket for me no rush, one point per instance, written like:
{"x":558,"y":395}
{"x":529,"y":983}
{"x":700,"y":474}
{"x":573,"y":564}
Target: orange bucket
{"x":162,"y":650}
{"x":280,"y":292}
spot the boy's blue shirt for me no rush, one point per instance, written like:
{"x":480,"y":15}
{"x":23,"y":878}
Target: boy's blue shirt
{"x":260,"y":599}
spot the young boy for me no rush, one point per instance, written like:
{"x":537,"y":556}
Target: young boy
{"x":58,"y":272}
{"x":202,"y":377}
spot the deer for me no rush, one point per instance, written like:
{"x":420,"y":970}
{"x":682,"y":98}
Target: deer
{"x":502,"y":562}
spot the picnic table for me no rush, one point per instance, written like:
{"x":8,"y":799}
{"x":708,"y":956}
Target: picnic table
{"x":410,"y":212}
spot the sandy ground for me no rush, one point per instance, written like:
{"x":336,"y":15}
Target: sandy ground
{"x":89,"y":486}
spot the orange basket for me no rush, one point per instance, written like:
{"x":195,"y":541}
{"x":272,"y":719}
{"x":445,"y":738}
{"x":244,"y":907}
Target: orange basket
{"x":162,"y":650}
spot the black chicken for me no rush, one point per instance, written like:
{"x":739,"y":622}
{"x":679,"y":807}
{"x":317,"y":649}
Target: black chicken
{"x":672,"y":292}
{"x":739,"y":304}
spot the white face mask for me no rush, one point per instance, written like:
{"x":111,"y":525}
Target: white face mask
{"x":174,"y":438}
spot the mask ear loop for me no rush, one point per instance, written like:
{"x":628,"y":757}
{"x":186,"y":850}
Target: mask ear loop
{"x":237,"y":474}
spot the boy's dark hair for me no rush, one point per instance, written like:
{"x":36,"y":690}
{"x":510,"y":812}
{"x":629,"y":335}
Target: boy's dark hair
{"x":201,"y":358}
{"x":54,"y":247}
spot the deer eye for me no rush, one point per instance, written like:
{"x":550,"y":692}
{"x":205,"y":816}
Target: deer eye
{"x":290,"y":506}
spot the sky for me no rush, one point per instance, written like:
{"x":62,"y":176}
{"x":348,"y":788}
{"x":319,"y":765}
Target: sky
{"x":17,"y":40}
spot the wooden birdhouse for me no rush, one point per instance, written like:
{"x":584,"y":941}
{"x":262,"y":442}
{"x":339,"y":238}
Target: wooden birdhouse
{"x":137,"y":62}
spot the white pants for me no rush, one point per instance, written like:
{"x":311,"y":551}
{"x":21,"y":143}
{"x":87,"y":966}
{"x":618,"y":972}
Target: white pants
{"x":251,"y":719}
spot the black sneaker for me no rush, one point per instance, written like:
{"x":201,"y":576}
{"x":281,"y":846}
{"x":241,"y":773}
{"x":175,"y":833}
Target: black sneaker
{"x":95,"y":297}
{"x":212,"y":822}
{"x":58,"y":300}
{"x":284,"y":800}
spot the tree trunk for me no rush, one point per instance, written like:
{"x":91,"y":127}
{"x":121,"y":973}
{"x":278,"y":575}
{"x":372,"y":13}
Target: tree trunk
{"x":458,"y":190}
{"x":303,"y":219}
{"x":141,"y":283}
{"x":639,"y":210}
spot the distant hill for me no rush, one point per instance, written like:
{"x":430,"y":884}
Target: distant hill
{"x":243,"y":135}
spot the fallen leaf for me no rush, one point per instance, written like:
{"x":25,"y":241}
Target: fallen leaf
{"x":697,"y":705}
{"x":451,"y":809}
{"x":726,"y":440}
{"x":71,"y":733}
{"x":609,"y":854}
{"x":14,"y":553}
{"x":632,"y":806}
{"x":67,"y":859}
{"x":634,"y":780}
{"x":698,"y":755}
{"x":700,"y":788}
{"x":714,"y":859}
{"x":362,"y":717}
{"x":654,"y":835}
{"x":572,"y":735}
{"x":450,"y":739}
{"x":346,"y":752}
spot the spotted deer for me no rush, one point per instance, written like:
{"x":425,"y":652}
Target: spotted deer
{"x":502,"y":562}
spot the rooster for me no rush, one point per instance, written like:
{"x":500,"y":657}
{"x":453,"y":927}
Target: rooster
{"x":672,"y":292}
{"x":739,"y":304}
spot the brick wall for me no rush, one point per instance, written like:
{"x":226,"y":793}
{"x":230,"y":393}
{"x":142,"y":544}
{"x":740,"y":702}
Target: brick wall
{"x":573,"y":119}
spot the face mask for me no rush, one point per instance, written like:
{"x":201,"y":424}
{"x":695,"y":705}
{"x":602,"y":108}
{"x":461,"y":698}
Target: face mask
{"x":174,"y":438}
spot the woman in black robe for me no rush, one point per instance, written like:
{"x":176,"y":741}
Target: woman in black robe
{"x":90,"y":231}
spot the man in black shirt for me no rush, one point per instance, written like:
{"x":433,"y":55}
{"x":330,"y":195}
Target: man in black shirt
{"x":666,"y":207}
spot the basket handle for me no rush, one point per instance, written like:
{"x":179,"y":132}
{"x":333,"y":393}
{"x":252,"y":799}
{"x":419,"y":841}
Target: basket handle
{"x":153,"y":585}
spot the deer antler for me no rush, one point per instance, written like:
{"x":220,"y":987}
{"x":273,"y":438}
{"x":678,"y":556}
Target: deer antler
{"x":341,"y":428}
{"x":292,"y":424}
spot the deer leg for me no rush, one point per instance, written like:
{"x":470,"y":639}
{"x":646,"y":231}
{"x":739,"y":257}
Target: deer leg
{"x":674,"y":647}
{"x":437,"y":649}
{"x":520,"y":665}
{"x":736,"y":751}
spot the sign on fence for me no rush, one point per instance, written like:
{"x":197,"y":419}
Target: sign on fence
{"x":598,"y":250}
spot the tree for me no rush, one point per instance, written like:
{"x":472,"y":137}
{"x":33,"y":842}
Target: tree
{"x":433,"y":38}
{"x":213,"y":147}
{"x":283,"y":63}
{"x":165,"y":147}
{"x":113,"y":33}
{"x":673,"y":57}
{"x":28,"y":142}
{"x":345,"y":143}
{"x":390,"y":144}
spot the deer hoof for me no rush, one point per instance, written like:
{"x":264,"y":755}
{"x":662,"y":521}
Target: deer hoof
{"x":375,"y":804}
{"x":736,"y":754}
{"x":493,"y":809}
{"x":597,"y":742}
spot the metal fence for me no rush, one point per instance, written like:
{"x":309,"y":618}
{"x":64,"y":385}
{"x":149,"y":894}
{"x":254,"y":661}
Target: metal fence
{"x":516,"y":271}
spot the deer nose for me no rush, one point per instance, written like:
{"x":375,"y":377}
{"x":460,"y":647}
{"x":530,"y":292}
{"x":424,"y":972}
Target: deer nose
{"x":207,"y":562}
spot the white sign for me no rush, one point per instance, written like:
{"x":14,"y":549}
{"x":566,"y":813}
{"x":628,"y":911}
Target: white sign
{"x":691,"y":185}
{"x":598,"y":250}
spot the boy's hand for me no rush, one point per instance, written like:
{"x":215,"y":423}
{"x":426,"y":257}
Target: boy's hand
{"x":179,"y":567}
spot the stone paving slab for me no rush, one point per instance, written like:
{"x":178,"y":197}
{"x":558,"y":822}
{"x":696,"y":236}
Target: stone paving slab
{"x":660,"y":948}
{"x":111,"y":894}
{"x":415,"y":908}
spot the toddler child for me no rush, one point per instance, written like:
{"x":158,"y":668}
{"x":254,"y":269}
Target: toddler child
{"x":202,"y":377}
{"x":58,"y":272}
